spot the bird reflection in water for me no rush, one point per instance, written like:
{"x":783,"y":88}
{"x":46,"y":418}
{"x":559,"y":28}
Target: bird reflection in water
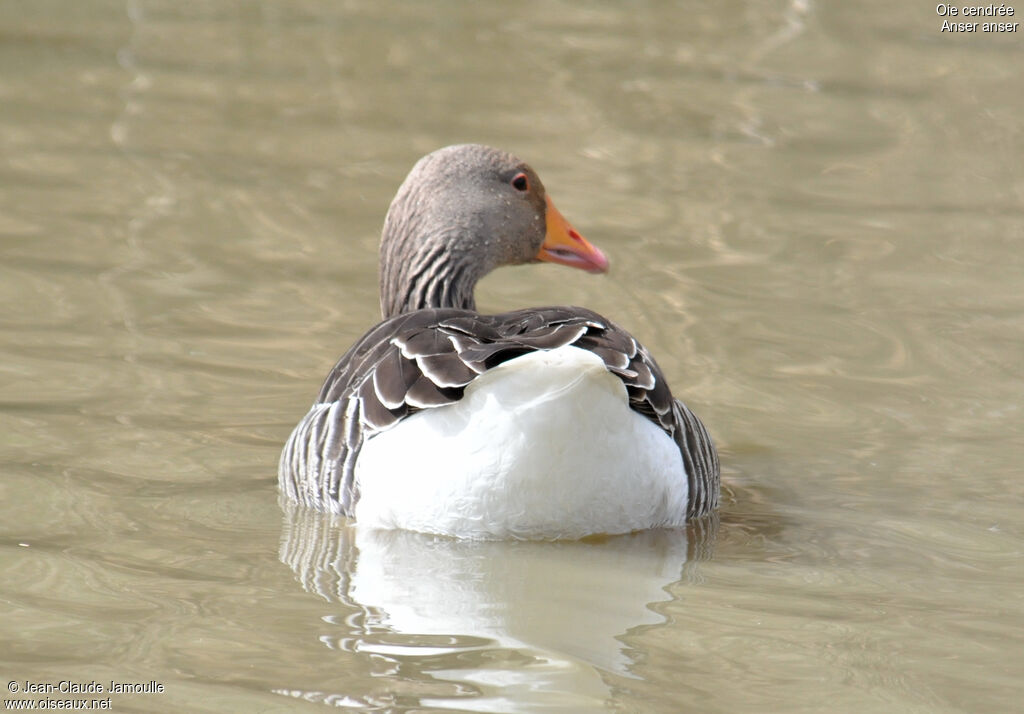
{"x":506,"y":623}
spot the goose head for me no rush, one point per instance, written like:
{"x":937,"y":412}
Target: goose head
{"x":462,"y":212}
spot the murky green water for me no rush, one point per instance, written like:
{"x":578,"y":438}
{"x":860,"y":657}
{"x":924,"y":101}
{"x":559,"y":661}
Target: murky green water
{"x":815,"y":214}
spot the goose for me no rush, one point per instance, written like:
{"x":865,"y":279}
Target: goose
{"x":541,"y":423}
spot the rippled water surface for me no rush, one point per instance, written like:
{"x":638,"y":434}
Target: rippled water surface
{"x":815,"y":215}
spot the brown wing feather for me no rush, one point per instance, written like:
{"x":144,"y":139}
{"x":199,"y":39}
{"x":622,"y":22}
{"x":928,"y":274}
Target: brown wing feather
{"x":424,"y":359}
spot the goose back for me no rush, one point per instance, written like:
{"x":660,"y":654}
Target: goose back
{"x":424,"y":359}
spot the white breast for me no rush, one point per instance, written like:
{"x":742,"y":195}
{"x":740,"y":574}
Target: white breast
{"x":543,"y":446}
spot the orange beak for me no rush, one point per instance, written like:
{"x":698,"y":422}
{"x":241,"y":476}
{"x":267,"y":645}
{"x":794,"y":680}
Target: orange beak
{"x":562,"y":244}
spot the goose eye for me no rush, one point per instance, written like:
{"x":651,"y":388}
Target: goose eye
{"x":520,"y":182}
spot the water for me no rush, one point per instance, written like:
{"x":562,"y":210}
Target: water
{"x":813,"y":213}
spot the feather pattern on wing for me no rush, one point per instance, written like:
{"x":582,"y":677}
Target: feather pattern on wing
{"x":425,"y":358}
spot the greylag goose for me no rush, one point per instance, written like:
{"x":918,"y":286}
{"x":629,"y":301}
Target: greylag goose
{"x":546,"y":423}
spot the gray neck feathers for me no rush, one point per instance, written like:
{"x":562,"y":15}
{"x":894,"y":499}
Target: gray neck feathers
{"x":430,"y":277}
{"x":425,"y":259}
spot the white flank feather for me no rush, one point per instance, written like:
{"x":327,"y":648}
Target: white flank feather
{"x":543,"y":446}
